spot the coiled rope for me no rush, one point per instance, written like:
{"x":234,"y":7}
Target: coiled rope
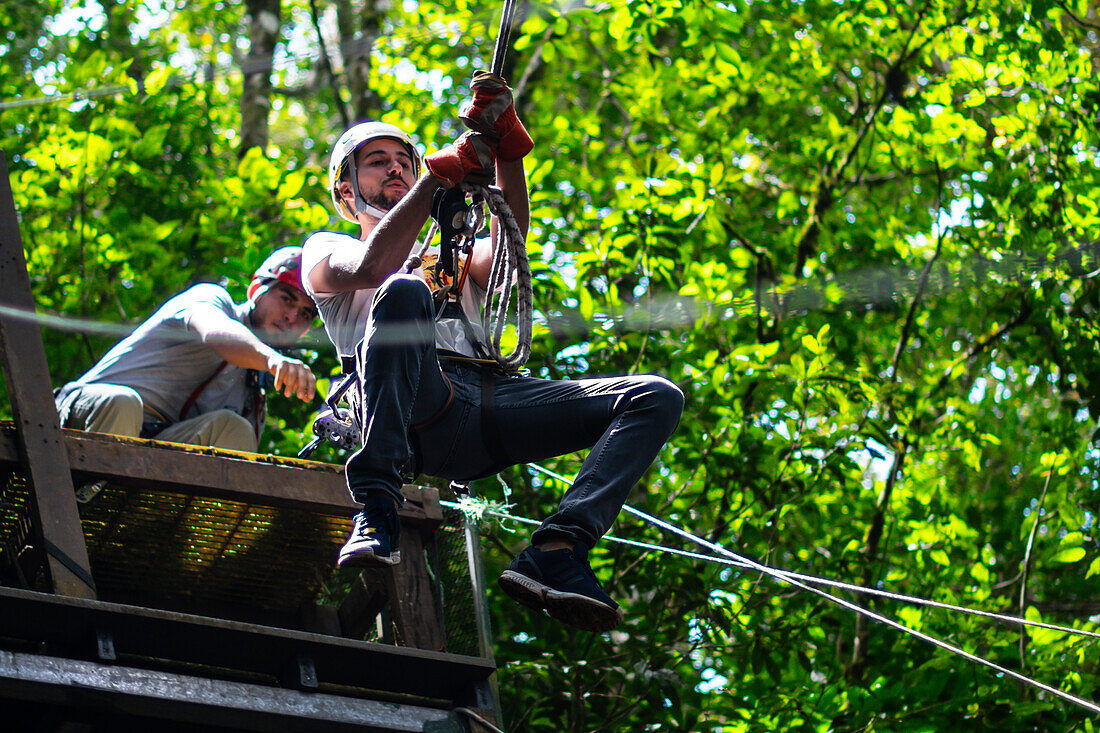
{"x":510,"y":266}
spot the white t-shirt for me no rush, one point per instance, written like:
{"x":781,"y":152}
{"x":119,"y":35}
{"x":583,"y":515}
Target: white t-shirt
{"x":164,"y":361}
{"x":346,"y":315}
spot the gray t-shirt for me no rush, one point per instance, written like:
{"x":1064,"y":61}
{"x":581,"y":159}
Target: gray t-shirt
{"x":346,"y":315}
{"x":164,"y":361}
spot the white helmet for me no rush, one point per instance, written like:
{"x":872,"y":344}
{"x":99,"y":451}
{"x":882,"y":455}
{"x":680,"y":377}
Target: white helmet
{"x":343,"y":155}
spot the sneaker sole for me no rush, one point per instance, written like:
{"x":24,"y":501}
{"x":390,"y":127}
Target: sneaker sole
{"x":368,"y":560}
{"x":572,"y":609}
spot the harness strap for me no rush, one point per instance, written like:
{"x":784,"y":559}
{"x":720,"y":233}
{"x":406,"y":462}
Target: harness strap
{"x":198,"y":390}
{"x":258,"y":413}
{"x":453,"y":309}
{"x":70,"y":564}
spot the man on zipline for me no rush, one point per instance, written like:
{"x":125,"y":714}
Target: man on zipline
{"x":428,"y":402}
{"x":184,"y":374}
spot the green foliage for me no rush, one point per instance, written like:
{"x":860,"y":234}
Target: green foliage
{"x":858,"y":235}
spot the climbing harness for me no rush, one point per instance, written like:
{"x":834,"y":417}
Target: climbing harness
{"x":458,"y":216}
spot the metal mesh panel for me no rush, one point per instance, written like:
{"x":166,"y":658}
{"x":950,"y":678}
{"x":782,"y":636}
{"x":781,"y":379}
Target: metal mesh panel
{"x":15,"y":532}
{"x":455,"y":589}
{"x":183,"y":552}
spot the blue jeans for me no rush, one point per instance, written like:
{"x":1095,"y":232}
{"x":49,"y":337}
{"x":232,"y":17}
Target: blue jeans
{"x":423,"y":414}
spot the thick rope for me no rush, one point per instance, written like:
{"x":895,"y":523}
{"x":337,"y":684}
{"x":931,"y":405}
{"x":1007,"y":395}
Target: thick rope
{"x":417,"y":258}
{"x":510,"y":266}
{"x":791,"y":580}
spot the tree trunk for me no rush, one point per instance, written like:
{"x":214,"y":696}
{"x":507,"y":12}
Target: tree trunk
{"x":264,"y":24}
{"x":358,"y":33}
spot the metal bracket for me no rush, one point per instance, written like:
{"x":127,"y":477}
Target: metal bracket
{"x":105,"y":646}
{"x":449,"y":209}
{"x":301,"y":673}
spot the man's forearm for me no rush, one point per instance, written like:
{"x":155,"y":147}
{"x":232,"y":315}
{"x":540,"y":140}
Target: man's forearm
{"x":513,"y":184}
{"x":388,"y":244}
{"x":236,"y":344}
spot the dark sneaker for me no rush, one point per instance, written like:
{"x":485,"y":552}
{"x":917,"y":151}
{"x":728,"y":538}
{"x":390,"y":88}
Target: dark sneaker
{"x":375,"y":536}
{"x":562,"y":583}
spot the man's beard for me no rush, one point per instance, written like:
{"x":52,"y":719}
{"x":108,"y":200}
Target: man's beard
{"x":385,"y":201}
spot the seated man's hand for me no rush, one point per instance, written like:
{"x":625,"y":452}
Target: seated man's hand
{"x":469,"y":155}
{"x":292,"y":377}
{"x":493,"y":113}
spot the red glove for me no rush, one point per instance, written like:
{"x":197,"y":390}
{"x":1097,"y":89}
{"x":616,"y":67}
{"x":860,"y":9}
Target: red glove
{"x":469,"y":155}
{"x":492,"y":113}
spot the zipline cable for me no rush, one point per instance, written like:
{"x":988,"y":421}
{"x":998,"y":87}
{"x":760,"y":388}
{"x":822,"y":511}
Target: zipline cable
{"x":815,"y":579}
{"x":873,"y":615}
{"x":503,"y":36}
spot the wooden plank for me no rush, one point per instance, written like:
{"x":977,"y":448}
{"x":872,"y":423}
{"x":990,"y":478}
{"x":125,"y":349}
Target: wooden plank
{"x":232,"y":475}
{"x":119,"y":697}
{"x":40,"y":447}
{"x":152,"y":639}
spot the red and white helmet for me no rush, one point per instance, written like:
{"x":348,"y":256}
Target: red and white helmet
{"x":284,"y":265}
{"x":343,"y":157}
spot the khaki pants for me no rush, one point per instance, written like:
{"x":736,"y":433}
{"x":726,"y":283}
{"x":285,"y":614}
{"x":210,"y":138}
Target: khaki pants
{"x":118,"y":410}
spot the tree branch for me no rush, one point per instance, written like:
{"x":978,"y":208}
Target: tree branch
{"x":1027,"y":567}
{"x":906,"y":328}
{"x":326,"y":65}
{"x":1075,"y":18}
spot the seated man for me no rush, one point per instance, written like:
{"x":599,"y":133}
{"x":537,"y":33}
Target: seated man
{"x":183,"y":375}
{"x":427,"y":403}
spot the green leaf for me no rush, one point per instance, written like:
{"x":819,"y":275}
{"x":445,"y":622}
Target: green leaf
{"x":1069,"y":554}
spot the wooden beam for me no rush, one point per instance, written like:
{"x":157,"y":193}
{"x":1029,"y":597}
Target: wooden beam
{"x":413,"y":607}
{"x":40,"y":447}
{"x":120,"y":697}
{"x":232,"y":475}
{"x":156,"y":639}
{"x":366,"y":598}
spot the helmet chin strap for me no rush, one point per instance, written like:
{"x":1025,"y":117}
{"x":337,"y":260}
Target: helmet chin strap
{"x":252,"y":302}
{"x":361,"y":205}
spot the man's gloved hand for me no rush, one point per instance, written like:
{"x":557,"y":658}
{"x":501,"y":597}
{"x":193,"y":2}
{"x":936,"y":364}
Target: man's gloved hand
{"x":492,"y":113}
{"x":469,"y":155}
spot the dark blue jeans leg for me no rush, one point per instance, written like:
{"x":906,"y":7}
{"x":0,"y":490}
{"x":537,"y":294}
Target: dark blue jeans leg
{"x":625,"y":420}
{"x":400,"y":385}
